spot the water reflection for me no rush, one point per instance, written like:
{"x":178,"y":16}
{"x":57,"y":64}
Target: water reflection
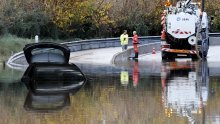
{"x":46,"y":102}
{"x":185,"y":87}
{"x":134,"y":69}
{"x":105,"y":99}
{"x":50,"y":85}
{"x":124,"y":77}
{"x":135,"y":74}
{"x":8,"y":75}
{"x":3,"y":65}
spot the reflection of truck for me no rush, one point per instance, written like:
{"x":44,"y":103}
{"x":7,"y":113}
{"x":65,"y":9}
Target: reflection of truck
{"x":185,"y":88}
{"x":180,"y":24}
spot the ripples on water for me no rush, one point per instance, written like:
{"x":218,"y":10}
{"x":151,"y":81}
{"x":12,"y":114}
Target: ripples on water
{"x":135,"y":93}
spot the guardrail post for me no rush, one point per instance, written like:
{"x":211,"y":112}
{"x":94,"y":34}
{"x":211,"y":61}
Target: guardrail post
{"x":36,"y":39}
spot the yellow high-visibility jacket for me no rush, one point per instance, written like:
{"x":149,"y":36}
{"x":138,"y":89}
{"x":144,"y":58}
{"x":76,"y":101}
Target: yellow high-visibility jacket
{"x":124,"y":39}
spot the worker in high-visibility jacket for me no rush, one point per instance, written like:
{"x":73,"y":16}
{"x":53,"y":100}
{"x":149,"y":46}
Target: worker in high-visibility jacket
{"x":124,"y":40}
{"x":135,"y":43}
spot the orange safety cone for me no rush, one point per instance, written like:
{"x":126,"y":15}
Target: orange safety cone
{"x":163,"y":36}
{"x":153,"y":51}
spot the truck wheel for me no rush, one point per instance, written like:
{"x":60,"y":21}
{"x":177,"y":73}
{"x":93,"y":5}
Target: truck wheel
{"x":171,"y":57}
{"x":167,"y":56}
{"x":194,"y":57}
{"x":164,"y":55}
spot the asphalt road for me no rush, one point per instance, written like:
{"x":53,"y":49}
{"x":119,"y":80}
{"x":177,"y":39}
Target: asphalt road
{"x":104,"y":56}
{"x":95,"y":56}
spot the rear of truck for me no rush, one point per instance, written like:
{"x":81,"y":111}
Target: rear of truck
{"x":180,"y":35}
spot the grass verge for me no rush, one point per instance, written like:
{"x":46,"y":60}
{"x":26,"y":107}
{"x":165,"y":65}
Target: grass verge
{"x":10,"y":44}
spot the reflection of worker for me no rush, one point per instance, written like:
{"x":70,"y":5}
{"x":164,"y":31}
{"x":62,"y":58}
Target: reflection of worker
{"x":135,"y":43}
{"x":135,"y":74}
{"x":124,"y":78}
{"x":124,"y":40}
{"x":3,"y":65}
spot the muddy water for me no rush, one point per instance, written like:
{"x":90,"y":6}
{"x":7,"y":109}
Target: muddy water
{"x":136,"y":93}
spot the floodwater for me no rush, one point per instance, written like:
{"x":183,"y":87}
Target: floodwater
{"x":144,"y":92}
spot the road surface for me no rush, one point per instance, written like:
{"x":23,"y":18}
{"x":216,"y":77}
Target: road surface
{"x":105,"y":55}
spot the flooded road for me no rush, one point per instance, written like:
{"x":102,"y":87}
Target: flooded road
{"x":138,"y":92}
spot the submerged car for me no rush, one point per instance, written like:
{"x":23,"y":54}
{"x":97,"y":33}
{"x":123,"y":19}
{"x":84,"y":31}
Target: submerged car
{"x":50,"y":78}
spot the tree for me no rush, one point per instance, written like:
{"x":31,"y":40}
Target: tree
{"x":72,"y":15}
{"x":213,"y":9}
{"x":22,"y":17}
{"x":140,"y":15}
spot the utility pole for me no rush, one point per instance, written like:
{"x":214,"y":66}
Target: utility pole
{"x":203,"y":5}
{"x":199,"y":28}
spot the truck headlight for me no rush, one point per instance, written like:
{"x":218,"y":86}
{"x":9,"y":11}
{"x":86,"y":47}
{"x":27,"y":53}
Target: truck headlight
{"x":192,"y":40}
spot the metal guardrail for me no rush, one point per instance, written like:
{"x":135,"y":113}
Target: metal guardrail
{"x":121,"y":57}
{"x":13,"y":58}
{"x":214,"y":34}
{"x":85,"y":45}
{"x":93,"y":44}
{"x":109,"y":39}
{"x":102,"y":43}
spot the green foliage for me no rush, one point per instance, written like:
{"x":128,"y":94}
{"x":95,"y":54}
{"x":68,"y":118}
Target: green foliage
{"x":143,"y":16}
{"x":21,"y":17}
{"x":78,"y":17}
{"x":213,"y":9}
{"x":64,"y":19}
{"x":11,"y":44}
